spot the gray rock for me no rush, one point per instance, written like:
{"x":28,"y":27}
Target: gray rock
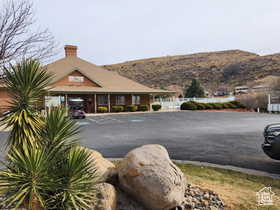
{"x":148,"y":174}
{"x":125,"y":202}
{"x":106,"y":198}
{"x":105,"y":169}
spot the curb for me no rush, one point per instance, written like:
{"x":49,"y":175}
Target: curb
{"x":228,"y":167}
{"x":129,"y":113}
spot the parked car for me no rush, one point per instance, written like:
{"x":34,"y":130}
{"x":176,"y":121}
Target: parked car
{"x":77,"y":112}
{"x":271,"y":145}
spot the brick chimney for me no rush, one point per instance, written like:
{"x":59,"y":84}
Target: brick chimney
{"x":70,"y":50}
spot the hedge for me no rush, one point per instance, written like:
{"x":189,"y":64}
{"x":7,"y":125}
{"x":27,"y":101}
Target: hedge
{"x":143,"y":108}
{"x":117,"y":108}
{"x":102,"y":109}
{"x":238,"y":104}
{"x":156,"y":107}
{"x":191,"y":105}
{"x":188,"y":106}
{"x":200,"y":106}
{"x":131,"y":108}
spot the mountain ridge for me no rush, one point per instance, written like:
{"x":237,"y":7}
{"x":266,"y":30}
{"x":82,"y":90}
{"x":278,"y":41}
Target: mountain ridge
{"x":213,"y":69}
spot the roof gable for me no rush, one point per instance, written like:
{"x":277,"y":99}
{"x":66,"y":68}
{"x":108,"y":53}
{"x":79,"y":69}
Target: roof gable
{"x":108,"y":80}
{"x":66,"y":80}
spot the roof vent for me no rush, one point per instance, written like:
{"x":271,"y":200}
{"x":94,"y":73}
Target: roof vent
{"x":70,"y":50}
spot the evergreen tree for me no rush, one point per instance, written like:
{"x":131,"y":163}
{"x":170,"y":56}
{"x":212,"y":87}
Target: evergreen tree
{"x":194,"y":90}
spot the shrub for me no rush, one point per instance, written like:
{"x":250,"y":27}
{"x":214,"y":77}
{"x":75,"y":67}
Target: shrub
{"x":225,"y":105}
{"x":254,"y":101}
{"x":217,"y":105}
{"x":156,"y":107}
{"x":143,"y":108}
{"x":117,"y":108}
{"x":200,"y":106}
{"x":132,"y":108}
{"x":213,"y":105}
{"x":238,"y":104}
{"x":188,"y":106}
{"x":231,"y":106}
{"x":208,"y":106}
{"x":102,"y":109}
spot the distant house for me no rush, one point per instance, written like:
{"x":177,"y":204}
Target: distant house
{"x":254,"y":89}
{"x":261,"y":88}
{"x":241,"y":90}
{"x":77,"y":81}
{"x":222,"y":91}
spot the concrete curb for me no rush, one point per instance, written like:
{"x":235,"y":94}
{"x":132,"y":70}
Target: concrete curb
{"x":228,"y":167}
{"x":129,"y":113}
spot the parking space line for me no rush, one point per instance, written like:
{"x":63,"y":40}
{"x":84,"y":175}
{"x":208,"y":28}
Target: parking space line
{"x":102,"y":121}
{"x":92,"y":120}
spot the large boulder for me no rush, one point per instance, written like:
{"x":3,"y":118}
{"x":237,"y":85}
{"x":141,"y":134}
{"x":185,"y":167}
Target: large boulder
{"x":148,"y":174}
{"x":126,"y":202}
{"x":106,"y":197}
{"x":105,"y":169}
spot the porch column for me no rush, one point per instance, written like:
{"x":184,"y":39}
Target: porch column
{"x":109,"y":102}
{"x":66,"y":101}
{"x":95,"y":105}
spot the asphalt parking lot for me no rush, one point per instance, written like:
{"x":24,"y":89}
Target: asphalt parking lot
{"x":226,"y":138}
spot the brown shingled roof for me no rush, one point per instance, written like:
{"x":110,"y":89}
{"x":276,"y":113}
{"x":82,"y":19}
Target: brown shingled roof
{"x":107,"y":80}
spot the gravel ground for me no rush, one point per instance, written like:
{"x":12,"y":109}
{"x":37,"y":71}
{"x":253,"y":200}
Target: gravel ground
{"x":197,"y":198}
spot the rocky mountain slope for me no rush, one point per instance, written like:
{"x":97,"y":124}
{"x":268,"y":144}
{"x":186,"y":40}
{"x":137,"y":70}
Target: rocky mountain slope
{"x":213,"y":69}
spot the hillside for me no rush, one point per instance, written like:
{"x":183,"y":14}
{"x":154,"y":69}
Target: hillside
{"x":214,"y":69}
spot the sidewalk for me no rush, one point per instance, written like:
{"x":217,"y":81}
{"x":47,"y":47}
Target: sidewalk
{"x":125,"y":113}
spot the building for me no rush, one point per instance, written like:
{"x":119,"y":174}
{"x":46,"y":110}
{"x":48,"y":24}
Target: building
{"x":77,"y":81}
{"x":241,"y":90}
{"x":255,"y":89}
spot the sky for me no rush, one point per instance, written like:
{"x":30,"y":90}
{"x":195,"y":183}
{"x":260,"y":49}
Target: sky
{"x":113,"y":31}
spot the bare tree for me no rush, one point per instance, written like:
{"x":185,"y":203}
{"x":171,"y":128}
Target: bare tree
{"x":18,"y":36}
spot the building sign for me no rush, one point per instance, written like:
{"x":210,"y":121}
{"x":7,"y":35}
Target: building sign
{"x":76,"y":79}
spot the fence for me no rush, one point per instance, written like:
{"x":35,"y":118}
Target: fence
{"x":273,"y":105}
{"x":175,"y":103}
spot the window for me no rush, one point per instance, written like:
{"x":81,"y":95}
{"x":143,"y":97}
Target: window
{"x":76,"y":79}
{"x":135,"y":99}
{"x":102,"y":100}
{"x":120,"y":100}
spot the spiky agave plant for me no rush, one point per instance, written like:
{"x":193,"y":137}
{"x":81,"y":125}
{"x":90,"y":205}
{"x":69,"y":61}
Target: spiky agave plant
{"x":26,"y":83}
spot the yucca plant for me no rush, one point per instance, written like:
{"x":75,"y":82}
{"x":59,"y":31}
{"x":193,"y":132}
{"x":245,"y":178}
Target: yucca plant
{"x":26,"y":180}
{"x":59,"y":132}
{"x":77,"y":182}
{"x":45,"y":168}
{"x":27,"y":84}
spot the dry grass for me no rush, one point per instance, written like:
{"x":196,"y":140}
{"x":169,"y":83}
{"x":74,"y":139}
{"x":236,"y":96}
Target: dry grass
{"x":181,"y":69}
{"x":238,"y":190}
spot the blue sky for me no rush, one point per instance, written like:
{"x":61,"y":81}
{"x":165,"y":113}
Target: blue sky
{"x":112,"y":31}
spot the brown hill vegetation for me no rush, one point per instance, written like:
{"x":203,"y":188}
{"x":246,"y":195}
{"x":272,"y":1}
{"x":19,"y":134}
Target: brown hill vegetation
{"x":213,"y":69}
